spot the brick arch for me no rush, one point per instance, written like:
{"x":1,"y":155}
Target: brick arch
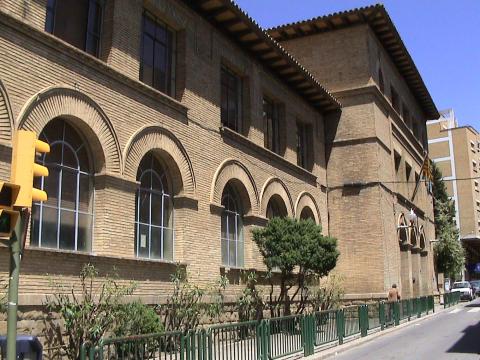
{"x":163,"y":142}
{"x":402,"y":232}
{"x":85,"y":114}
{"x":234,"y":171}
{"x":305,"y":199}
{"x":421,"y":232}
{"x":414,"y":236}
{"x":275,"y":186}
{"x":6,"y":116}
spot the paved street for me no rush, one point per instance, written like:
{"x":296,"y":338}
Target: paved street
{"x":452,"y":334}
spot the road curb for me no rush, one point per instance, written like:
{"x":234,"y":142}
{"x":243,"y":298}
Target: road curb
{"x":338,"y":349}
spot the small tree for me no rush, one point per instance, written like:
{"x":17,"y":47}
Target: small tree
{"x":449,"y":252}
{"x":289,"y":245}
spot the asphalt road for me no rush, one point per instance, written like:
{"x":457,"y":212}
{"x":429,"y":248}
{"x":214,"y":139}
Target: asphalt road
{"x":452,"y":334}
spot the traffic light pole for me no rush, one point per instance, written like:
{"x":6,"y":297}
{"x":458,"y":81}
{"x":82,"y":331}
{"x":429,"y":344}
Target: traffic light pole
{"x":18,"y":236}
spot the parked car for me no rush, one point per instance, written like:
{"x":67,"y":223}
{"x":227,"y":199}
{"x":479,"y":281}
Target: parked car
{"x":476,"y":287}
{"x":464,"y":288}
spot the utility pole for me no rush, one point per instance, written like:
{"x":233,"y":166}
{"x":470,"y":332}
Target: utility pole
{"x":15,"y":244}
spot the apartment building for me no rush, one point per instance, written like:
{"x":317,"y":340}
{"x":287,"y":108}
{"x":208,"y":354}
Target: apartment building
{"x":375,"y":148}
{"x":456,"y":151}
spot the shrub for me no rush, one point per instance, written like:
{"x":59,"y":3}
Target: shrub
{"x":184,"y":309}
{"x":250,"y":304}
{"x":136,"y":318}
{"x":87,"y":314}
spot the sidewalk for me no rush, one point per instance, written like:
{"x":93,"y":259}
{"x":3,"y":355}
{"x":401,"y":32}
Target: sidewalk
{"x":332,"y":350}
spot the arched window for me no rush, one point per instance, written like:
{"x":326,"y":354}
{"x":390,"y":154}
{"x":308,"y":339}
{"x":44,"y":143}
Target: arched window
{"x":64,"y":221}
{"x":307,"y":213}
{"x":232,"y":229}
{"x":276,"y":207}
{"x":154,"y":211}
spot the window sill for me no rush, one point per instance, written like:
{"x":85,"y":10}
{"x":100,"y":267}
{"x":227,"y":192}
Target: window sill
{"x":239,"y":138}
{"x":72,"y":253}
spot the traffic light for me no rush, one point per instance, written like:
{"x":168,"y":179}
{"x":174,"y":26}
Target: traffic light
{"x":24,"y":168}
{"x":8,"y":216}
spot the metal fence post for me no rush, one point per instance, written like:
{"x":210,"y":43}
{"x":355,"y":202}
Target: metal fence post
{"x":381,"y":314}
{"x":363,"y":316}
{"x":396,"y":313}
{"x":340,"y":326}
{"x":307,"y":331}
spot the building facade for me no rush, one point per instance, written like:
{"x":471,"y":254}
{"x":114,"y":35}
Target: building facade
{"x":178,"y":126}
{"x":456,"y":151}
{"x":171,"y":138}
{"x":375,"y":147}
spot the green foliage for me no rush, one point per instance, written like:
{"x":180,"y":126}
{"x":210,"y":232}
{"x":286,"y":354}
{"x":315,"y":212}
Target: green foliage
{"x":449,"y":252}
{"x":328,"y":294}
{"x":136,"y":318}
{"x":185,"y":307}
{"x":87,"y":314}
{"x":250,"y":304}
{"x":289,"y":244}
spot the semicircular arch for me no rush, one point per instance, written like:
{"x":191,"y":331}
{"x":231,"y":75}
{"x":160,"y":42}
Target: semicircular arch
{"x":6,"y":116}
{"x":305,"y":199}
{"x":64,"y":101}
{"x":402,"y":229}
{"x":275,"y":186}
{"x":233,"y":170}
{"x":156,"y":138}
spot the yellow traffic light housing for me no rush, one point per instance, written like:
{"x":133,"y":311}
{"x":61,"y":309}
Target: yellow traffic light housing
{"x":8,"y":216}
{"x":24,"y":168}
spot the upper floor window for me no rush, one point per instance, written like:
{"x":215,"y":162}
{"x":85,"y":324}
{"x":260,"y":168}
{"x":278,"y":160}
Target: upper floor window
{"x":304,"y":141}
{"x":64,"y":221}
{"x":231,"y":99}
{"x":157,"y":63}
{"x":271,"y":119}
{"x":78,"y":22}
{"x":408,"y":171}
{"x":397,"y":159}
{"x":395,"y":99}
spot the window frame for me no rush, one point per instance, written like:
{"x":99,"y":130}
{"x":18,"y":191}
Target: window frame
{"x":165,"y":196}
{"x":239,"y":240}
{"x":170,"y":53}
{"x":50,"y":21}
{"x":272,"y":139}
{"x":302,"y":147}
{"x":59,"y":208}
{"x":227,"y":75}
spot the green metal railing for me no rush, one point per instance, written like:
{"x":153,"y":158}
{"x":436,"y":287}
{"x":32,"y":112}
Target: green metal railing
{"x":285,"y":336}
{"x":325,"y":327}
{"x":450,"y":299}
{"x":267,"y":339}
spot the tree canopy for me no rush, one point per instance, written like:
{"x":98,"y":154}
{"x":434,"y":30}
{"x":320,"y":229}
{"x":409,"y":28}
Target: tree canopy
{"x":288,"y":245}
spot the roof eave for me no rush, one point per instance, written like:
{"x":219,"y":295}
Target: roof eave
{"x":235,"y":23}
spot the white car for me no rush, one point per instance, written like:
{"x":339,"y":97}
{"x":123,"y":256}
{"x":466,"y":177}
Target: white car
{"x":464,"y":288}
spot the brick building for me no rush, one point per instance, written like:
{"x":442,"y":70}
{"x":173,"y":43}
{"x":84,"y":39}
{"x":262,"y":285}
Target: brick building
{"x":375,"y":148}
{"x":178,"y":126}
{"x":455,"y":150}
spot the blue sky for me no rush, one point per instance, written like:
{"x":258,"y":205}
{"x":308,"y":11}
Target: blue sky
{"x":443,"y":37}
